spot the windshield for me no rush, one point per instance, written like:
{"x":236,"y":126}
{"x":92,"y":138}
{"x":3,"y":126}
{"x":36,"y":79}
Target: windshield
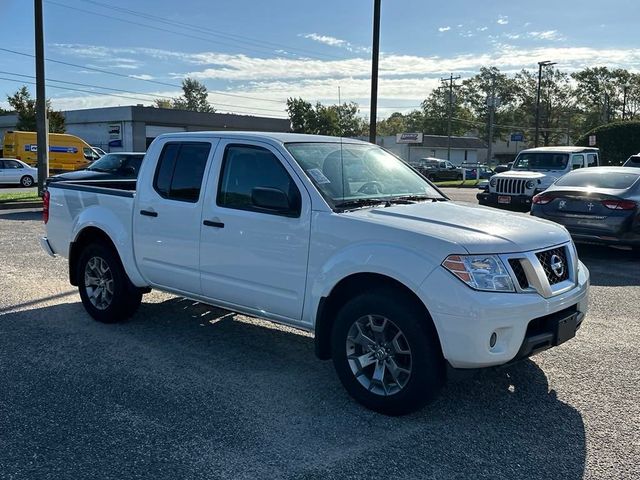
{"x":591,"y":179}
{"x":351,"y":172}
{"x":541,"y":161}
{"x":113,"y":162}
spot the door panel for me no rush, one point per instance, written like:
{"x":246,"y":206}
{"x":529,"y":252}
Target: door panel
{"x":252,"y":258}
{"x":167,"y":217}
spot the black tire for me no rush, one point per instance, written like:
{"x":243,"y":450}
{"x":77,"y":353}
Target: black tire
{"x":427,"y":367}
{"x":459,"y":177}
{"x":26,"y":181}
{"x":125,"y":297}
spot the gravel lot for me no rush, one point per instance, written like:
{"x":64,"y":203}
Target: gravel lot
{"x":183,"y":390}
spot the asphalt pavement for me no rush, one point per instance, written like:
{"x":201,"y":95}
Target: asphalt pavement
{"x":184,"y":390}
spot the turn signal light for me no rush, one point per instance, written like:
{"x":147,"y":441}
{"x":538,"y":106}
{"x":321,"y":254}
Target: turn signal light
{"x":542,"y":199}
{"x":620,"y":204}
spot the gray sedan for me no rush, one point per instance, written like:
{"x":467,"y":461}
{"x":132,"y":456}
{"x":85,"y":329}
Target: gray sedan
{"x":598,"y":204}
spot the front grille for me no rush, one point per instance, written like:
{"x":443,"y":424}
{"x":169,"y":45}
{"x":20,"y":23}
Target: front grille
{"x":516,"y":266}
{"x":510,"y":186}
{"x":560,"y":275}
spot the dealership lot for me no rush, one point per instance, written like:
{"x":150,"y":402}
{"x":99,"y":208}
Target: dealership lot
{"x":183,"y":390}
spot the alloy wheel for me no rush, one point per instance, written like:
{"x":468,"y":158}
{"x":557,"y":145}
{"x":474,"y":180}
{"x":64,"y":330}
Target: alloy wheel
{"x":98,"y":283}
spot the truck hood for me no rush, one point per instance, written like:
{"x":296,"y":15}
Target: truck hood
{"x":479,"y":230}
{"x":545,"y":178}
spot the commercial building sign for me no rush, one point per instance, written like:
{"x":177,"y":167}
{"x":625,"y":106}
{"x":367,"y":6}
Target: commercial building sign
{"x":115,"y":135}
{"x":409,"y":138}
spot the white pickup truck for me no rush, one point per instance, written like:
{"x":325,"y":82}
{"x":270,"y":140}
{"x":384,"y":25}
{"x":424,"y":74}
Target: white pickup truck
{"x":333,"y":236}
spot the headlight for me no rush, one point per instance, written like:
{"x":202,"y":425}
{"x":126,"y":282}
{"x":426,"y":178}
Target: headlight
{"x":530,"y":184}
{"x":493,"y":182}
{"x":480,"y":272}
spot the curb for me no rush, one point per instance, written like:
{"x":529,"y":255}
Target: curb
{"x":19,"y":205}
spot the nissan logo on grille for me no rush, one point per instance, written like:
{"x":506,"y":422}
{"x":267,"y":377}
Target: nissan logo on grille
{"x":557,"y":265}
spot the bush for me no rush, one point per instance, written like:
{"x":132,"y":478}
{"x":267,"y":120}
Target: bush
{"x":616,"y":141}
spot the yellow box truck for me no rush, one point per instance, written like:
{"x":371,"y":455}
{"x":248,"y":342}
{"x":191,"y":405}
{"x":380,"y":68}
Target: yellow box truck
{"x":66,"y":152}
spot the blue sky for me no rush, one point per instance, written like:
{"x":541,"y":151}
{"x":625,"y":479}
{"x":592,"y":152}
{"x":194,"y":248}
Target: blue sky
{"x":252,"y":54}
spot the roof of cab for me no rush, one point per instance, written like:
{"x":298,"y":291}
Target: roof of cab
{"x":266,"y":136}
{"x":565,"y":149}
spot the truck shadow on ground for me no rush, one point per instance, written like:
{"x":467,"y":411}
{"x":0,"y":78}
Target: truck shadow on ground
{"x":610,"y":267}
{"x":185,"y":390}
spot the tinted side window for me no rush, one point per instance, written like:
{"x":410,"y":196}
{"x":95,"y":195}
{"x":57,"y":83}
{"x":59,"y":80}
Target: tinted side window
{"x":577,"y":161}
{"x":11,"y":164}
{"x":592,"y":160}
{"x":180,"y":170}
{"x":245,"y":168}
{"x":1,"y":164}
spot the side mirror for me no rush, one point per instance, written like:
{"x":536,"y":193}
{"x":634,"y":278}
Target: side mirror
{"x":275,"y":200}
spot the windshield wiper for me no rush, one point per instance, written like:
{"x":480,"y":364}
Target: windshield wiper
{"x":387,"y":202}
{"x":414,"y":198}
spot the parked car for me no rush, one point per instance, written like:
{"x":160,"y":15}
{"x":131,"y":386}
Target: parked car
{"x":632,"y":161}
{"x":503,"y":168}
{"x":14,"y":171}
{"x":438,"y":170}
{"x":485,"y":173}
{"x":113,"y":166}
{"x":533,"y":171}
{"x":599,"y":205}
{"x":395,"y":281}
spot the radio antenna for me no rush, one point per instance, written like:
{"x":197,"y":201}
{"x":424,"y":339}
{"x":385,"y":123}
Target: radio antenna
{"x":340,"y":131}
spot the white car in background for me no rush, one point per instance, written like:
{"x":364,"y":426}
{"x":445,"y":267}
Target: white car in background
{"x":14,"y":171}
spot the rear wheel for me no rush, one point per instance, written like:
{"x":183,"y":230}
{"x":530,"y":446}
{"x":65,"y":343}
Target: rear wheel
{"x":106,"y":292}
{"x":385,"y":353}
{"x":26,"y":181}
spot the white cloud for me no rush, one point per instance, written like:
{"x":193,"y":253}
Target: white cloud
{"x":143,"y":76}
{"x":482,"y":29}
{"x":335,"y":42}
{"x":503,"y":20}
{"x":546,"y":35}
{"x":444,"y":29}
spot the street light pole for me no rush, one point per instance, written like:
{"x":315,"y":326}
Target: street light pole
{"x":373,"y":110}
{"x":546,"y":63}
{"x":42,"y":130}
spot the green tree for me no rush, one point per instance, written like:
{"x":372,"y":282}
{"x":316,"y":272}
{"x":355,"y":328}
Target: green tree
{"x":163,"y":103}
{"x":435,"y":113}
{"x":616,"y":141}
{"x":319,"y":119}
{"x":25,"y":107}
{"x":396,"y":123}
{"x":194,"y":97}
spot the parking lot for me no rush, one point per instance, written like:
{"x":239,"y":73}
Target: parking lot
{"x":183,"y":390}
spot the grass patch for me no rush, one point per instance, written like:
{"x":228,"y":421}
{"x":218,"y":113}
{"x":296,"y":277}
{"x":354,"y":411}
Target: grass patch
{"x":458,"y":183}
{"x":19,"y":197}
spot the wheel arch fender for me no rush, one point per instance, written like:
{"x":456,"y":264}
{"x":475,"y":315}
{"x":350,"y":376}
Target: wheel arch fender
{"x":95,"y":224}
{"x":390,"y":266}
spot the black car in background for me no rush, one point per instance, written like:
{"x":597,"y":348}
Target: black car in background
{"x":113,"y":166}
{"x":596,"y":205}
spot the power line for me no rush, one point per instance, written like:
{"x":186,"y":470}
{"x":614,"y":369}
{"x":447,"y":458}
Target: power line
{"x":208,"y":31}
{"x":122,"y":75}
{"x":256,"y":49}
{"x":116,"y":95}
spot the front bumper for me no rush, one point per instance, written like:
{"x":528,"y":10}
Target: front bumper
{"x":520,"y":202}
{"x":465,"y":319}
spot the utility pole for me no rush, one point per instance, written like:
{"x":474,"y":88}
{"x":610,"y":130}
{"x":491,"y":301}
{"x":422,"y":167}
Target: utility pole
{"x":624,"y":101}
{"x":451,"y":79}
{"x":373,"y":110}
{"x":42,"y":127}
{"x":546,"y":63}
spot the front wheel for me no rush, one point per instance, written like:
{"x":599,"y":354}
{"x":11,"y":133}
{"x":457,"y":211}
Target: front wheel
{"x":386,"y":353}
{"x":26,"y":181}
{"x":106,"y":292}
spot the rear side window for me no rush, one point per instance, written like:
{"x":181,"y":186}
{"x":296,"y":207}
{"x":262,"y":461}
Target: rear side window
{"x":589,"y":178}
{"x":245,"y":168}
{"x":592,"y":160}
{"x":633,"y":161}
{"x":180,"y":170}
{"x":577,"y":161}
